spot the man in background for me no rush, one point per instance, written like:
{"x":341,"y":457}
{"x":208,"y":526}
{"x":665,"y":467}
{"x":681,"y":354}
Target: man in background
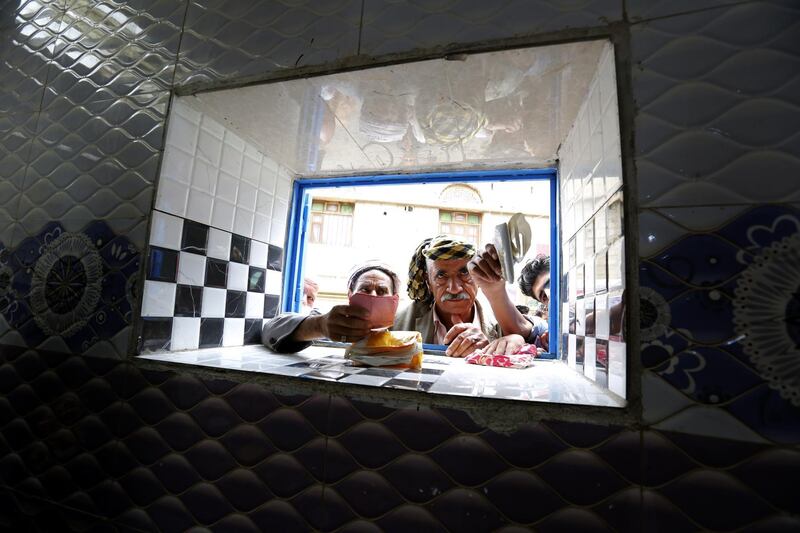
{"x":310,"y":291}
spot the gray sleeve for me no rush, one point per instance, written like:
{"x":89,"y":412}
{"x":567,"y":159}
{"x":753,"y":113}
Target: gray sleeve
{"x":277,"y":332}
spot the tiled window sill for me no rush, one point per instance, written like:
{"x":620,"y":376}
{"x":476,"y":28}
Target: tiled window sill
{"x":546,"y":381}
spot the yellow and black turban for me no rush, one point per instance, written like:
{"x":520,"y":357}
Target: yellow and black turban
{"x":441,"y":247}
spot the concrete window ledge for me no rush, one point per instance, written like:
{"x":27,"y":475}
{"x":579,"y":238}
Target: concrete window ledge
{"x":502,"y":398}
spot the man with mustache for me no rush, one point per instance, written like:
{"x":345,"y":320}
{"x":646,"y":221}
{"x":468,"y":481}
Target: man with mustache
{"x":444,"y":309}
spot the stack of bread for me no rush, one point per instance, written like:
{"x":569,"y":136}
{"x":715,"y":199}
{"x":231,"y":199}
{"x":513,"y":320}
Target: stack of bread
{"x":398,"y":349}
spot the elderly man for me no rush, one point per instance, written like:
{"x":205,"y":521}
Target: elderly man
{"x":310,"y":291}
{"x":292,"y":332}
{"x":444,"y":309}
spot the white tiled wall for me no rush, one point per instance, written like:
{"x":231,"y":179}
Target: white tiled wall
{"x":590,"y":176}
{"x":239,"y":199}
{"x":590,"y":157}
{"x":213,"y":176}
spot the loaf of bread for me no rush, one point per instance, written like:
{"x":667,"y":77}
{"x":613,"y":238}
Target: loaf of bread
{"x":399,"y":349}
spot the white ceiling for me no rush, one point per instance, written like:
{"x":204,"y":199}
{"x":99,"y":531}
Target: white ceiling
{"x":498,"y":109}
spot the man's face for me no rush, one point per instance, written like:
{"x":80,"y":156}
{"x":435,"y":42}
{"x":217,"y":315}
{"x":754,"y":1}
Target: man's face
{"x":309,"y":296}
{"x":541,"y":288}
{"x":374,"y":282}
{"x":452,"y":287}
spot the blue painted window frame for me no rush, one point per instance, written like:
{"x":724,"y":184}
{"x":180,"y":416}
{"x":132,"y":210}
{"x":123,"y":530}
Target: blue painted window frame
{"x":299,"y":210}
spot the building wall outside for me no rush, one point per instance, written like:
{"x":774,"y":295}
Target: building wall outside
{"x":708,"y":104}
{"x":389,"y":232}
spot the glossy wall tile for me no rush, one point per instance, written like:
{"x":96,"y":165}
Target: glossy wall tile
{"x":698,"y":138}
{"x":391,"y":27}
{"x":225,"y":39}
{"x":96,"y":160}
{"x":192,"y":300}
{"x":98,"y":137}
{"x":87,"y":439}
{"x":220,"y":201}
{"x":213,"y":176}
{"x":28,"y":43}
{"x":160,"y":450}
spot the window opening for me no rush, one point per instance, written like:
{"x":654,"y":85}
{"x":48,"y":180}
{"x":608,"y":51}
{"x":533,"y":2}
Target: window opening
{"x":393,"y":240}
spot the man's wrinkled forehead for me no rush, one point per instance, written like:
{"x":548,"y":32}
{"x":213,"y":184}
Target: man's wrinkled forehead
{"x":374,"y":277}
{"x":446,"y":265}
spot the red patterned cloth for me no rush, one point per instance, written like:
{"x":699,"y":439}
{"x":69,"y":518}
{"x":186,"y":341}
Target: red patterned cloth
{"x":522,"y":359}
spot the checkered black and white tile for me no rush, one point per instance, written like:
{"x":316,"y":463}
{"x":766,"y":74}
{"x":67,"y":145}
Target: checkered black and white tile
{"x":206,"y":287}
{"x":330,"y":367}
{"x":335,"y":368}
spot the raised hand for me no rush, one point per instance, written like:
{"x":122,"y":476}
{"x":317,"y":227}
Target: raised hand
{"x":485,"y":269}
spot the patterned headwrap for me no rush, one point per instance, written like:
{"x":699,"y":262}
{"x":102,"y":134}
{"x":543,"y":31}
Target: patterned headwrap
{"x":441,"y":247}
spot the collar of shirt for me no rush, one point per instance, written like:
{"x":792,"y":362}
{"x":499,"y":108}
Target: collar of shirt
{"x":440,"y":331}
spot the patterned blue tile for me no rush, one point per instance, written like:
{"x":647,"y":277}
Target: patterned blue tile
{"x":768,"y":413}
{"x":761,"y":226}
{"x":700,"y":260}
{"x":63,"y":285}
{"x":705,"y":316}
{"x":737,"y":350}
{"x":696,"y":372}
